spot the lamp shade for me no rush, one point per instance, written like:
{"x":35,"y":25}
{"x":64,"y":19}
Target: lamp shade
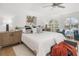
{"x":9,"y":21}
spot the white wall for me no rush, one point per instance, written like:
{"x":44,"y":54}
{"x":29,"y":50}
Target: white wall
{"x":20,"y":11}
{"x":20,"y":19}
{"x":62,"y":18}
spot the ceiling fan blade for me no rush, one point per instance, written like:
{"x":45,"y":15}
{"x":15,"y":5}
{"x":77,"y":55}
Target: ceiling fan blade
{"x":56,"y":4}
{"x":47,"y":6}
{"x":61,"y":6}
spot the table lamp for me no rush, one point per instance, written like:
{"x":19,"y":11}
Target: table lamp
{"x":7,"y":23}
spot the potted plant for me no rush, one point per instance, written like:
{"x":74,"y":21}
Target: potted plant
{"x":16,"y":27}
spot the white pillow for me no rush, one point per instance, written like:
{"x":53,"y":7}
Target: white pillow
{"x":34,"y":30}
{"x":59,"y":38}
{"x":26,"y":31}
{"x":23,"y":30}
{"x":39,"y":29}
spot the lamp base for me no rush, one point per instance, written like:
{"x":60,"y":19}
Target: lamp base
{"x":7,"y":27}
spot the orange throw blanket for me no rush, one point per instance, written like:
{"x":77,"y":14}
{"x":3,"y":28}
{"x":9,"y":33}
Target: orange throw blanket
{"x":62,"y":50}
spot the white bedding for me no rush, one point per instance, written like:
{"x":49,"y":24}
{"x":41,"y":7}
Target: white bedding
{"x":42,"y":42}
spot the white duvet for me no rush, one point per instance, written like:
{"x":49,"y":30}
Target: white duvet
{"x":41,"y":42}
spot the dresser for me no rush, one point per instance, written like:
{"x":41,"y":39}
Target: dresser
{"x":10,"y":38}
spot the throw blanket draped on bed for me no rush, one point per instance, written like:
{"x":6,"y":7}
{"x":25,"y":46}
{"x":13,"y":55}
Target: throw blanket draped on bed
{"x":63,"y":49}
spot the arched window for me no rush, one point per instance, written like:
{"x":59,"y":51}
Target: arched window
{"x":71,"y":22}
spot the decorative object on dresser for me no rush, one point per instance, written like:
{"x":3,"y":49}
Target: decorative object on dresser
{"x":16,"y":28}
{"x":10,"y":38}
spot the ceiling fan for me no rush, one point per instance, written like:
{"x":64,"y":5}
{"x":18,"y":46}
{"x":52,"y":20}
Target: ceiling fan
{"x":55,"y":5}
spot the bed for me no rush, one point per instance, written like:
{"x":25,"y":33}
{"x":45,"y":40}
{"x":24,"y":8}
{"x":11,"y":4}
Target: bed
{"x":41,"y":43}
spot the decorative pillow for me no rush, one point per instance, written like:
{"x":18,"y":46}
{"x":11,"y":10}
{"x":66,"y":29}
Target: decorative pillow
{"x":23,"y":30}
{"x":34,"y":30}
{"x":39,"y":30}
{"x":26,"y":31}
{"x":59,"y":38}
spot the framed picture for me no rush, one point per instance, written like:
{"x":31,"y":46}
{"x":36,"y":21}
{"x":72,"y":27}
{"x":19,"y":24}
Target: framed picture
{"x":31,"y":19}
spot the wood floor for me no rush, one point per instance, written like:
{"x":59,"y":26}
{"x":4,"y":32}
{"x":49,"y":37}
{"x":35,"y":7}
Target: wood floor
{"x":16,"y":50}
{"x":7,"y":51}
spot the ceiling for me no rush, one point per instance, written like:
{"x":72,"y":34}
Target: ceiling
{"x":37,"y":9}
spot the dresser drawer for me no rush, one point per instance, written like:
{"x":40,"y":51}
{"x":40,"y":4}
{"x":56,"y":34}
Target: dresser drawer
{"x":9,"y":38}
{"x":5,"y":39}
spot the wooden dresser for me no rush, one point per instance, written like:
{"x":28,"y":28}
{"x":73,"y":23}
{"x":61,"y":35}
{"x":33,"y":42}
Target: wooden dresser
{"x":10,"y":38}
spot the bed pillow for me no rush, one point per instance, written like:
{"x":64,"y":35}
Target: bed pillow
{"x":59,"y":38}
{"x":26,"y":31}
{"x":23,"y":30}
{"x":34,"y":30}
{"x":39,"y":30}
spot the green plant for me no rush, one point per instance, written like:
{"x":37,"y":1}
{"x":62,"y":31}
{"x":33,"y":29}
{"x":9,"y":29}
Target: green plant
{"x":16,"y":27}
